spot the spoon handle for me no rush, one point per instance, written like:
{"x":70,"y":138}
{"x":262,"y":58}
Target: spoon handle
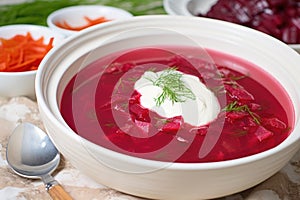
{"x":58,"y":193}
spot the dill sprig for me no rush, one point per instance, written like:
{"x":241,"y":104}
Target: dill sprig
{"x":173,"y":87}
{"x":233,"y":106}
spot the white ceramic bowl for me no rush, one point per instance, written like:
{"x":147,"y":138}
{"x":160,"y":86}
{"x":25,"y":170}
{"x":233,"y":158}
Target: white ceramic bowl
{"x":194,"y":7}
{"x":22,"y":83}
{"x":74,"y":16}
{"x":154,"y":179}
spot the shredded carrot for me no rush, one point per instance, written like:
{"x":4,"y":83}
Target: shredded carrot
{"x":89,"y":22}
{"x":22,"y":53}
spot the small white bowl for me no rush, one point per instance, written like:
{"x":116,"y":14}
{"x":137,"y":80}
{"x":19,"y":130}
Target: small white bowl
{"x":22,"y":83}
{"x":194,"y":7}
{"x":74,"y":16}
{"x":155,"y":179}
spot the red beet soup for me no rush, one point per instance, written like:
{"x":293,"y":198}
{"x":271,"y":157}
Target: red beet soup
{"x":102,"y":104}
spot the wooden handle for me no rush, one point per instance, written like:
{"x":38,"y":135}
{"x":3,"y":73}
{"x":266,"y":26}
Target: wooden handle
{"x":58,"y":193}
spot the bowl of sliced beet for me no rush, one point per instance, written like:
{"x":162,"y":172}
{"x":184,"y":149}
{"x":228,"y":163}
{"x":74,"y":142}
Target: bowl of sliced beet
{"x":72,"y":19}
{"x":172,"y":107}
{"x":279,"y":19}
{"x":22,"y":48}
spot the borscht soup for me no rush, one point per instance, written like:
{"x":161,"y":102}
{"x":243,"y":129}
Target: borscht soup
{"x":160,"y":105}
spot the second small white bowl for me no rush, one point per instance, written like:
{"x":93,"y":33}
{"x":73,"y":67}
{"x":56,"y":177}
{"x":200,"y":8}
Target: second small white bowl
{"x":74,"y":16}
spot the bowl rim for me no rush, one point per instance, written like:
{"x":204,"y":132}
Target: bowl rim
{"x":23,"y":73}
{"x":44,"y":103}
{"x":79,"y":7}
{"x":23,"y":27}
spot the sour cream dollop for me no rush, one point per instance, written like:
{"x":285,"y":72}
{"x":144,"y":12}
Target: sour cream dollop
{"x":197,"y":111}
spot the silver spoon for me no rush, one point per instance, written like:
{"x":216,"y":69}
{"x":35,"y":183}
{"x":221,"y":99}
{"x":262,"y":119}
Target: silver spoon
{"x":31,"y":154}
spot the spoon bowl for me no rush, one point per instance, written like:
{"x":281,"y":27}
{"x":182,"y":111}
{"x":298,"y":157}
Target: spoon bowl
{"x":31,"y":154}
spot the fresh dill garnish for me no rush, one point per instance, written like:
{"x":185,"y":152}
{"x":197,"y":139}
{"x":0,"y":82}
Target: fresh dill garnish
{"x":110,"y":125}
{"x":236,"y":78}
{"x":120,"y":84}
{"x":233,"y":106}
{"x":173,"y":87}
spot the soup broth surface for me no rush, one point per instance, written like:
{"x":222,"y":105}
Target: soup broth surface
{"x":101,"y":104}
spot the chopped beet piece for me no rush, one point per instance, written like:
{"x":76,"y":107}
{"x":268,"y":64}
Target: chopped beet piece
{"x":268,"y":22}
{"x":202,"y":130}
{"x":255,"y":106}
{"x":119,"y":67}
{"x":262,"y":133}
{"x":258,"y":6}
{"x":140,"y":113}
{"x":290,"y":34}
{"x":250,"y":122}
{"x":232,"y":145}
{"x":172,"y":125}
{"x":274,"y":123}
{"x":234,"y":115}
{"x":238,"y":92}
{"x":144,"y":126}
{"x":135,"y":97}
{"x":277,"y":3}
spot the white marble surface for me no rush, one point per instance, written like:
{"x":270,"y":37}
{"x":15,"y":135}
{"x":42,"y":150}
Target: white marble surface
{"x":285,"y":185}
{"x":14,"y":111}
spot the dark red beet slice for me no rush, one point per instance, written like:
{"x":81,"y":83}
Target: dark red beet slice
{"x":278,"y":18}
{"x":262,"y":133}
{"x":172,"y":124}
